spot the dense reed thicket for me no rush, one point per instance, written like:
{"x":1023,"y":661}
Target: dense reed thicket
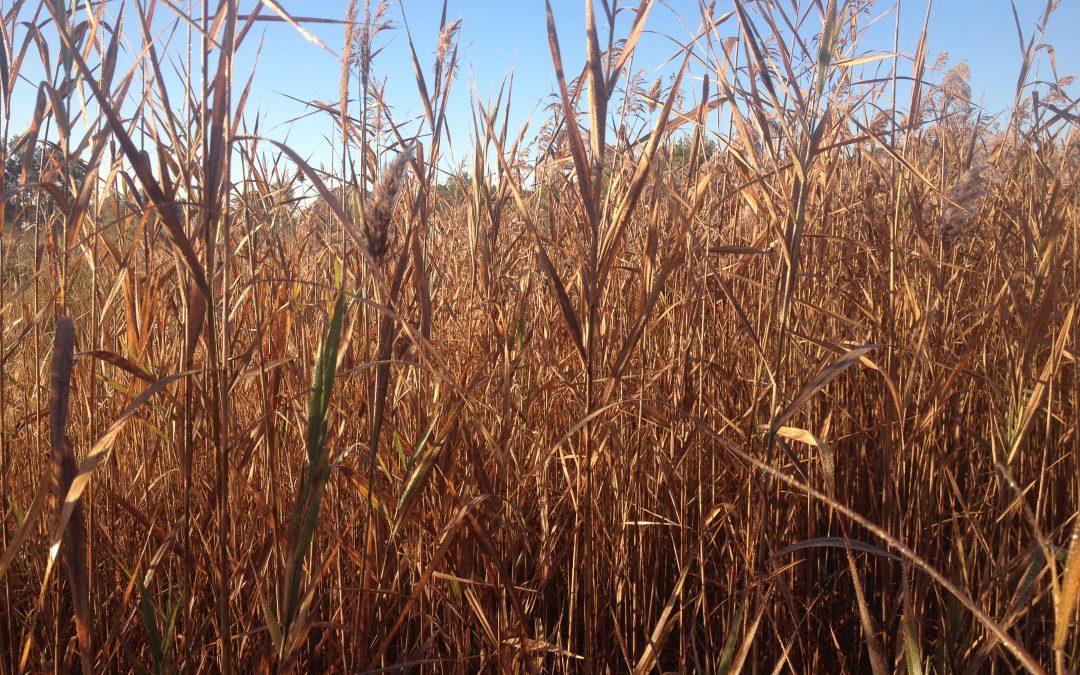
{"x":768,"y":367}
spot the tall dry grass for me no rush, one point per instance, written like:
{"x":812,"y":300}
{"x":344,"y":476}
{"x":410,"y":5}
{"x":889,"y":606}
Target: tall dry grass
{"x":768,"y":366}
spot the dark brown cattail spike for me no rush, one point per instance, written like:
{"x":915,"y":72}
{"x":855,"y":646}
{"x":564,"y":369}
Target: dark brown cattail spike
{"x":378,"y":216}
{"x":73,"y":548}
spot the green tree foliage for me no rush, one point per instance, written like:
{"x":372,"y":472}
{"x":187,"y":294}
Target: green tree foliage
{"x":681,"y":150}
{"x":47,"y":165}
{"x":456,"y":186}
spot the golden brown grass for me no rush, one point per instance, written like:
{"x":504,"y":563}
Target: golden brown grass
{"x":778,"y":373}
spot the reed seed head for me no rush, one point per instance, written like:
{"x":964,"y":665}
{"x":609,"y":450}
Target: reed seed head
{"x":965,"y":198}
{"x":956,"y":85}
{"x":378,"y":216}
{"x":446,"y":40}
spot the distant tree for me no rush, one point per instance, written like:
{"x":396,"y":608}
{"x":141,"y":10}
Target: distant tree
{"x":457,"y":185}
{"x":681,"y":148}
{"x":46,"y":165}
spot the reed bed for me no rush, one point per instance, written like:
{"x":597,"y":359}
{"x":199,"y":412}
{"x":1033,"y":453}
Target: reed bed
{"x":769,"y":366}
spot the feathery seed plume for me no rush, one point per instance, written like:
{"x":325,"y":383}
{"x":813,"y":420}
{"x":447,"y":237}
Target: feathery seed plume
{"x":378,"y":226}
{"x":965,"y":198}
{"x":956,"y":84}
{"x":653,"y":96}
{"x":940,"y":62}
{"x":446,"y":38}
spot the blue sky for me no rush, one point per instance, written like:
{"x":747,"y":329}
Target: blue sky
{"x":498,"y":37}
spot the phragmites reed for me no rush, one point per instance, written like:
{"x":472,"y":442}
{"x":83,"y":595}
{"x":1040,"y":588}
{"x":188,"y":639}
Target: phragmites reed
{"x":653,"y":97}
{"x":374,"y":23}
{"x":1072,"y":147}
{"x":881,"y":124}
{"x":378,"y":215}
{"x":346,"y":64}
{"x":666,"y":375}
{"x":956,"y":84}
{"x":446,"y":40}
{"x":940,"y":62}
{"x":964,"y":199}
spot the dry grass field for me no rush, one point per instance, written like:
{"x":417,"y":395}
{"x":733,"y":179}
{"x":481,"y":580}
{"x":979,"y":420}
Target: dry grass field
{"x":772,"y":369}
